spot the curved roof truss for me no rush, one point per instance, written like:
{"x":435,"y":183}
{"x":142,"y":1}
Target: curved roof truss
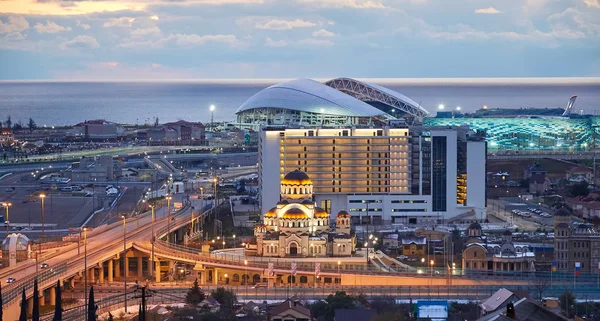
{"x":368,"y":92}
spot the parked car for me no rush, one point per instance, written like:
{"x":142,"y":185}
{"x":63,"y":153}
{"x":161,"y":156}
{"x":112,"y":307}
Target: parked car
{"x":44,"y":265}
{"x":10,"y":280}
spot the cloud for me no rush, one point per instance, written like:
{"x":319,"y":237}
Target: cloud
{"x":490,"y":10}
{"x":109,"y":64}
{"x":81,"y":42}
{"x":155,"y":65}
{"x":270,"y":23}
{"x":14,"y":24}
{"x":315,"y":42}
{"x":323,"y":33}
{"x":357,"y":4}
{"x":144,"y":32}
{"x":182,"y":40}
{"x":124,"y":22}
{"x":14,"y":36}
{"x":154,"y":17}
{"x":50,"y":27}
{"x":271,"y":43}
{"x":82,"y":25}
{"x":592,"y":3}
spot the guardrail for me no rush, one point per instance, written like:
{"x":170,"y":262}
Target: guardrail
{"x":42,"y":277}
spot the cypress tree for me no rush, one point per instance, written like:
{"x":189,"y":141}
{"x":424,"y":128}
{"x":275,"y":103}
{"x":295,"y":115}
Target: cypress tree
{"x":58,"y":307}
{"x":1,"y":302}
{"x":23,"y":315}
{"x":91,"y":306}
{"x":35,"y":315}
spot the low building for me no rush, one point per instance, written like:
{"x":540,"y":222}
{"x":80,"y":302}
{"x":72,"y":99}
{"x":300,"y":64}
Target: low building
{"x":585,"y":206}
{"x":97,"y":169}
{"x":482,"y":256}
{"x":497,"y":301}
{"x":575,"y":244}
{"x":99,"y":129}
{"x":538,"y":182}
{"x":580,"y":174}
{"x":6,"y":137}
{"x":498,"y":179}
{"x":290,"y":310}
{"x":15,"y":248}
{"x":297,"y":227}
{"x":176,"y":133}
{"x":523,"y":310}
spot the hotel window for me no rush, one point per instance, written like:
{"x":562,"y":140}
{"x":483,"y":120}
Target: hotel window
{"x":299,"y":141}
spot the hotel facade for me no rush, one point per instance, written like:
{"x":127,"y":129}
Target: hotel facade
{"x":388,"y":175}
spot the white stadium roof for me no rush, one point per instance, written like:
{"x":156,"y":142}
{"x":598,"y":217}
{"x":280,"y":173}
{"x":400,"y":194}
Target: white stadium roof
{"x":307,"y":95}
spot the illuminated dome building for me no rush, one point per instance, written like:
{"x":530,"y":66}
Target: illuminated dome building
{"x":295,"y":227}
{"x":15,"y":249}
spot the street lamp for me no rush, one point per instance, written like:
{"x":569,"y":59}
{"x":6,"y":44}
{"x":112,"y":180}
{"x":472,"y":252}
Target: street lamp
{"x":85,"y":270}
{"x":212,"y":117}
{"x":125,"y":259}
{"x":441,"y":106}
{"x":42,"y":196}
{"x":245,"y":278}
{"x":6,"y":221}
{"x":234,"y":240}
{"x":223,"y":243}
{"x":169,"y":198}
{"x":215,"y":180}
{"x":339,"y":274}
{"x":431,"y":271}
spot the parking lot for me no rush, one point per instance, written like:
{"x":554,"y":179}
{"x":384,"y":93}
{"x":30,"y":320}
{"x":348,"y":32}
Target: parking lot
{"x":524,"y":216}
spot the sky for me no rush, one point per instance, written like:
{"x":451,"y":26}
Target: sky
{"x":232,"y":39}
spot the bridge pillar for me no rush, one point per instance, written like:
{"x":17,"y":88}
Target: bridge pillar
{"x":157,"y":271}
{"x":215,"y":277}
{"x":42,"y":299}
{"x":117,"y":268}
{"x":52,"y":295}
{"x":72,"y":282}
{"x":91,"y":278}
{"x":126,"y":265}
{"x":101,"y":273}
{"x":110,"y":271}
{"x":171,"y":270}
{"x":140,"y":273}
{"x":30,"y":305}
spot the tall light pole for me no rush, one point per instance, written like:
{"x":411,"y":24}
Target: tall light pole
{"x":234,"y":240}
{"x":431,"y":272}
{"x":125,"y":259}
{"x":339,"y":274}
{"x":153,"y":239}
{"x":215,"y":180}
{"x":169,"y":198}
{"x":42,"y":196}
{"x":6,"y":221}
{"x":212,"y":117}
{"x":245,"y":277}
{"x":85,"y":277}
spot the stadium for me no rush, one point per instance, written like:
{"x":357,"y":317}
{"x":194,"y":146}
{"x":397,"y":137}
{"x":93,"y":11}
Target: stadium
{"x":340,"y":101}
{"x":349,"y":102}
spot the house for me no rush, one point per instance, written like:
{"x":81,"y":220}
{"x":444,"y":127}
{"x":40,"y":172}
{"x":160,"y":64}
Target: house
{"x":498,"y":300}
{"x":98,"y":129}
{"x":210,"y":304}
{"x":290,"y":310}
{"x":523,"y":310}
{"x":538,"y":182}
{"x":414,"y":246}
{"x":585,"y":206}
{"x":354,"y":314}
{"x":580,"y":174}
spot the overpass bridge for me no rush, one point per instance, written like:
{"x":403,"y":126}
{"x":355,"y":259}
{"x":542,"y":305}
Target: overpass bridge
{"x":119,"y":246}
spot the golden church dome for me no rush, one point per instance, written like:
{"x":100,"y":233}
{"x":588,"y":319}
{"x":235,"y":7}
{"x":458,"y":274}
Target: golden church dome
{"x":296,"y":178}
{"x":320,"y":213}
{"x":294,"y":213}
{"x":343,"y":214}
{"x":271,"y":213}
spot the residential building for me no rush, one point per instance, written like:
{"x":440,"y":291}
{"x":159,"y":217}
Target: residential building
{"x":290,"y":310}
{"x":499,"y":300}
{"x":176,"y":133}
{"x":575,"y":243}
{"x":523,"y":310}
{"x":97,"y":169}
{"x":585,"y":206}
{"x":538,"y":182}
{"x":395,"y":174}
{"x":297,"y":227}
{"x":414,"y":246}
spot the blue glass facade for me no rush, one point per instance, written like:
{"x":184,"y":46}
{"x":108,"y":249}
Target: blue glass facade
{"x":531,"y":134}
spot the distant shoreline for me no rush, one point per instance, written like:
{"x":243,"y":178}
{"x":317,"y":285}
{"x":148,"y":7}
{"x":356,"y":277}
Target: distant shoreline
{"x":416,"y":81}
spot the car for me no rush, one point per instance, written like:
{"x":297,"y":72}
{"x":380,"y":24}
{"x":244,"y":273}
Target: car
{"x":44,"y":265}
{"x":402,"y":257}
{"x":10,"y":280}
{"x":260,"y":285}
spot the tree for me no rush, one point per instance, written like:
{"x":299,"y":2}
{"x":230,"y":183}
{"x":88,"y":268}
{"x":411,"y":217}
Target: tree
{"x":226,"y":298}
{"x":23,"y":315}
{"x":31,"y":124}
{"x":540,"y":285}
{"x":17,"y":126}
{"x":8,"y":122}
{"x":91,"y":306}
{"x":58,"y":307}
{"x":194,"y":296}
{"x":156,"y":122}
{"x":567,"y":302}
{"x":110,"y":316}
{"x":35,"y":315}
{"x":389,"y":316}
{"x":579,"y":189}
{"x":326,"y":310}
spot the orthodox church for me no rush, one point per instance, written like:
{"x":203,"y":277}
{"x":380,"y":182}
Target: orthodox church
{"x":296,"y":227}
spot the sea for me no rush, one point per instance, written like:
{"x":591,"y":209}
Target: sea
{"x":58,"y":103}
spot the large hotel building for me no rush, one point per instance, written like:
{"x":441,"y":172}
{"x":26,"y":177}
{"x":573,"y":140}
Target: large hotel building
{"x":391,"y":174}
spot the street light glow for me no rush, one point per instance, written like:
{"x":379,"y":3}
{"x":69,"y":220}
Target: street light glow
{"x":457,"y":107}
{"x":212,"y":107}
{"x":441,"y":106}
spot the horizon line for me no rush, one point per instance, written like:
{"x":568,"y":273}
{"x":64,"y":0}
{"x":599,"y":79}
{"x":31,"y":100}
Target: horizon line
{"x":432,"y":81}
